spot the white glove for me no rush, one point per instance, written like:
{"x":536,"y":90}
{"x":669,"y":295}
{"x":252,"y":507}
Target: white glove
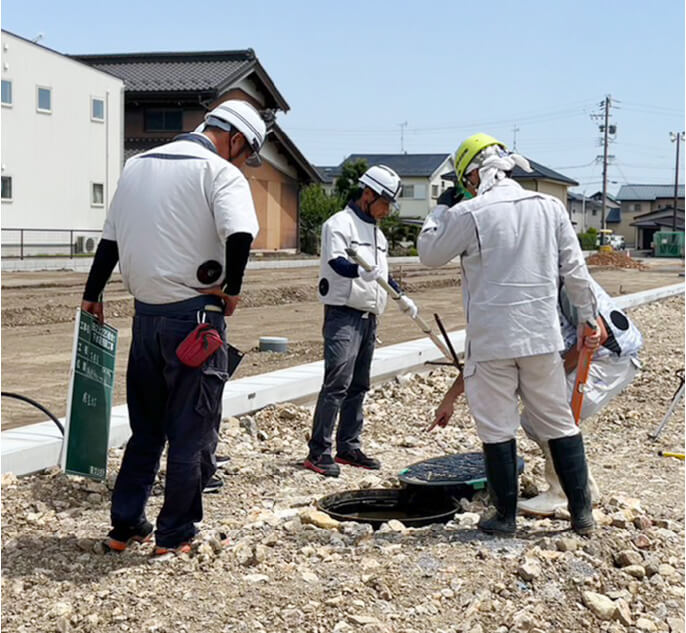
{"x":407,"y":305}
{"x":369,"y":275}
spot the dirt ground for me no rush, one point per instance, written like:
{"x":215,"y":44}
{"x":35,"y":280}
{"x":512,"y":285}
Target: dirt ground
{"x":285,"y":570}
{"x":38,"y":311}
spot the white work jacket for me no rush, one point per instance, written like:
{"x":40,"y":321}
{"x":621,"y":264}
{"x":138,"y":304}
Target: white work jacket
{"x":513,"y":245}
{"x":173,"y":209}
{"x":343,"y":230}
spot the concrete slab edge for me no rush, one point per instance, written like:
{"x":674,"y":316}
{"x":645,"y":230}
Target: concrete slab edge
{"x":37,"y":446}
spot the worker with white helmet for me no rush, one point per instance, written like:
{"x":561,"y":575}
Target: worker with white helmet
{"x":352,"y":301}
{"x":614,"y":366}
{"x":181,"y":223}
{"x":513,"y":246}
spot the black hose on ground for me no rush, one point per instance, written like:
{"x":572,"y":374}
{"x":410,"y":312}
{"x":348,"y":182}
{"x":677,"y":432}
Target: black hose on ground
{"x":7,"y":394}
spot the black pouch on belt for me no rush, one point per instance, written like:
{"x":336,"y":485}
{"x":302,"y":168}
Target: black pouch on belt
{"x":199,"y":345}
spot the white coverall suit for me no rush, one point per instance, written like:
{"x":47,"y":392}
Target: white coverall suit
{"x":513,"y":245}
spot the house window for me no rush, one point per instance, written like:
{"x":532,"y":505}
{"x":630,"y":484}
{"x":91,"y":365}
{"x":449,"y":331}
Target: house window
{"x":434,"y":191}
{"x":7,"y":187}
{"x":44,"y":99}
{"x":408,"y":191}
{"x":163,"y":120}
{"x":97,"y":109}
{"x":6,"y":92}
{"x":97,"y":194}
{"x":636,"y":207}
{"x":420,"y":192}
{"x":594,"y":212}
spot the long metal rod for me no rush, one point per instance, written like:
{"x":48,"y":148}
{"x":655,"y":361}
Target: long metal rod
{"x":448,"y":342}
{"x":421,"y":323}
{"x":675,"y":400}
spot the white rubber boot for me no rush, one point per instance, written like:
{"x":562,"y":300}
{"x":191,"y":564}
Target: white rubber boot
{"x":547,"y":502}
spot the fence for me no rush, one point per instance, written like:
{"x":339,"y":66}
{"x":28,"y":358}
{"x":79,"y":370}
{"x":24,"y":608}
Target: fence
{"x":22,"y":243}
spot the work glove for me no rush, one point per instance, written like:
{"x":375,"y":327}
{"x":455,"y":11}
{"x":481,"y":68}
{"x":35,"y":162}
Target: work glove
{"x":450,"y":197}
{"x":407,"y":305}
{"x":369,"y":275}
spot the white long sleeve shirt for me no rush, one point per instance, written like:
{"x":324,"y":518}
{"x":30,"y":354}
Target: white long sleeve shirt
{"x":513,"y":245}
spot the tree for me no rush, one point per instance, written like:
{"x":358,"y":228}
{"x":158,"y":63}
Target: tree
{"x":346,"y":187}
{"x":315,"y":207}
{"x":396,"y":232}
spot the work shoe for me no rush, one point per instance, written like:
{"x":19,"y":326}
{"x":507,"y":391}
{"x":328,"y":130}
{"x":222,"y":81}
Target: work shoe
{"x":119,"y":538}
{"x":501,"y":473}
{"x":213,"y":485}
{"x":222,"y":460}
{"x":161,"y":550}
{"x":324,"y":465}
{"x":570,"y":465}
{"x":358,"y":459}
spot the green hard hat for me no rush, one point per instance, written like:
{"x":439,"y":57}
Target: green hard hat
{"x":468,"y":151}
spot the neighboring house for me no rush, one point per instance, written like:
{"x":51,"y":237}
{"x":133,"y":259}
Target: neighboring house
{"x":61,"y":147}
{"x":541,"y":179}
{"x":647,"y":224}
{"x":641,"y":200}
{"x":169,"y":93}
{"x":586,"y":212}
{"x":420,"y":175}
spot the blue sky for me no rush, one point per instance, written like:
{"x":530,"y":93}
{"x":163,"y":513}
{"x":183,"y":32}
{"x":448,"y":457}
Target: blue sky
{"x":353,"y":72}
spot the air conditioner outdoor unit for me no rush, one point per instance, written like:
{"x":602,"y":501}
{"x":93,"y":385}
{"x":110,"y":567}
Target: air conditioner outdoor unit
{"x":85,"y":244}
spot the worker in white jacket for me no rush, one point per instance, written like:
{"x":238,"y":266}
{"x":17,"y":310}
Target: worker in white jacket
{"x":614,"y":366}
{"x":352,"y":301}
{"x":514,"y":245}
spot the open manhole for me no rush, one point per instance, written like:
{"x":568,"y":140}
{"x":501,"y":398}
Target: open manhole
{"x":379,"y":505}
{"x":430,"y":493}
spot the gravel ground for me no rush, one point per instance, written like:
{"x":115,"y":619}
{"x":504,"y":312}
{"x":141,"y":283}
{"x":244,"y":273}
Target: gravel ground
{"x":287,"y":569}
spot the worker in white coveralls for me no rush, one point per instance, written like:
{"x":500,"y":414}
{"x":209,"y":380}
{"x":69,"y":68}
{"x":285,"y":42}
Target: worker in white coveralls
{"x":513,"y":246}
{"x":352,"y":301}
{"x":613,"y":368}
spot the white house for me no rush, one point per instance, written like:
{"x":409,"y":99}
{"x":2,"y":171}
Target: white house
{"x":420,"y":175}
{"x":62,"y":148}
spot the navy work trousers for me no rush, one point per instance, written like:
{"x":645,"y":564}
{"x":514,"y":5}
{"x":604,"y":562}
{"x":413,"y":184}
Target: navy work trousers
{"x":169,"y":402}
{"x":349,"y":337}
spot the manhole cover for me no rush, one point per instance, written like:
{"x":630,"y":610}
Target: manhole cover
{"x":459,"y":469}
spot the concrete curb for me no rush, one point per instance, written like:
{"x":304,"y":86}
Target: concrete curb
{"x":37,"y":446}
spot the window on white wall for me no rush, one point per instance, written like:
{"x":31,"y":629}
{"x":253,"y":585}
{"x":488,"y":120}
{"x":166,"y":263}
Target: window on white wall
{"x":6,"y":92}
{"x":7,"y":187}
{"x":420,"y":192}
{"x":44,"y":99}
{"x":97,"y":109}
{"x":434,"y":191}
{"x":408,"y":191}
{"x":97,"y":194}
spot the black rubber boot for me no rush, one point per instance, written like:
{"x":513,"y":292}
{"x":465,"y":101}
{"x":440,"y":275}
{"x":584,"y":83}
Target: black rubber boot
{"x":501,"y":473}
{"x":571,"y":468}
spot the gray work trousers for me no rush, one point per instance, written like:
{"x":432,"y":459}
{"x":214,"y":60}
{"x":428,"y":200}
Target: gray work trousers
{"x":349,"y":337}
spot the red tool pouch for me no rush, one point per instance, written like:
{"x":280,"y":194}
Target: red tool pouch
{"x":199,"y":345}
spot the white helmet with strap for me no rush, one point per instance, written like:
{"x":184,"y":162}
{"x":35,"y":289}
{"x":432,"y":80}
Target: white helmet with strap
{"x":384,"y":181}
{"x":242,"y":117}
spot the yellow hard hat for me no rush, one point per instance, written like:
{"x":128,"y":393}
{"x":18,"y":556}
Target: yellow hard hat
{"x":469,"y":149}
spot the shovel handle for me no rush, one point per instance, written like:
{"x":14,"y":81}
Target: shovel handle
{"x":582,"y":368}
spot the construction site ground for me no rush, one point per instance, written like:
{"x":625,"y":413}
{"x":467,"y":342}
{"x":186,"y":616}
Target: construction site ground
{"x":38,"y":310}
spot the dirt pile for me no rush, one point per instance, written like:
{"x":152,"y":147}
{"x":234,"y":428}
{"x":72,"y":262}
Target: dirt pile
{"x":615,"y":260}
{"x":284,"y":570}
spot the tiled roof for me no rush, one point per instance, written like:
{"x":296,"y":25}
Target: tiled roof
{"x":212,"y":71}
{"x":648,"y":192}
{"x":408,"y":165}
{"x":614,"y":216}
{"x":539,"y":172}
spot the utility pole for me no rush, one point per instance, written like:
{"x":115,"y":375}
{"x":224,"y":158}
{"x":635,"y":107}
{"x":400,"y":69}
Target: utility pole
{"x":678,"y":137}
{"x":402,"y":125}
{"x":605,"y":136}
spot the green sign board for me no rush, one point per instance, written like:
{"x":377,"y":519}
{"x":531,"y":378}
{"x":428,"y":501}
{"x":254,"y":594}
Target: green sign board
{"x":87,"y":427}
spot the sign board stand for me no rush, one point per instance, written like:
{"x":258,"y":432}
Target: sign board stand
{"x":89,"y":404}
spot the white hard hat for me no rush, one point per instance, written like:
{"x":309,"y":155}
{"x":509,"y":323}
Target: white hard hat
{"x":384,"y":181}
{"x":244,"y":118}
